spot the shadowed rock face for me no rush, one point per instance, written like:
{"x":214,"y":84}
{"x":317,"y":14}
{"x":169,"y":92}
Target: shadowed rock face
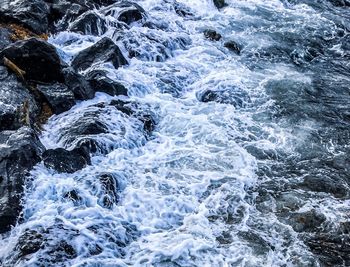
{"x":20,"y":151}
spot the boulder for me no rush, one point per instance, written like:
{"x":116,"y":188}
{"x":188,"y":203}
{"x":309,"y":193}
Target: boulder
{"x":59,"y":97}
{"x":17,"y":105}
{"x":19,"y":151}
{"x":89,"y":23}
{"x":104,"y":50}
{"x":125,"y":11}
{"x":62,"y":160}
{"x":37,"y":58}
{"x":212,"y":35}
{"x":234,"y":96}
{"x":101,"y":83}
{"x":219,"y":3}
{"x":33,"y":14}
{"x":77,"y":84}
{"x":233,"y":46}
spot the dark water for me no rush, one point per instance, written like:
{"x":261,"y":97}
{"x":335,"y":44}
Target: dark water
{"x":258,"y":177}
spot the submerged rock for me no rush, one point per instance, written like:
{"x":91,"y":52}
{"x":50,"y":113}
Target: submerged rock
{"x":59,"y":97}
{"x":62,"y":160}
{"x":101,"y":83}
{"x":30,"y":242}
{"x":30,"y":13}
{"x":104,"y":50}
{"x":234,"y":96}
{"x":212,"y":35}
{"x":233,"y":46}
{"x":20,"y":151}
{"x":37,"y":58}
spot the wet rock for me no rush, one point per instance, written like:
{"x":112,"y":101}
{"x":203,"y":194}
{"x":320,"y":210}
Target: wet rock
{"x":20,"y":151}
{"x":233,"y":46}
{"x":59,"y":97}
{"x":5,"y":37}
{"x":234,"y":96}
{"x":18,"y":106}
{"x":125,"y":11}
{"x":63,"y":160}
{"x":101,"y":83}
{"x":30,"y":242}
{"x":212,"y":35}
{"x":109,"y":188}
{"x":37,"y":58}
{"x":73,"y":195}
{"x":104,"y":50}
{"x":77,"y":84}
{"x":30,"y":13}
{"x":219,"y":3}
{"x":89,"y":23}
{"x":123,"y":106}
{"x":308,"y":221}
{"x":336,"y":187}
{"x":182,"y":10}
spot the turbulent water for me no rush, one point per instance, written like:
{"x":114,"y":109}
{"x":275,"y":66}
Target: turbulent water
{"x":260,"y":179}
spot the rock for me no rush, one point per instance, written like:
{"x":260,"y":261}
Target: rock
{"x":122,"y":106}
{"x":101,"y":83}
{"x":5,"y":38}
{"x":212,"y":35}
{"x":182,"y":10}
{"x":77,"y":84}
{"x":234,"y":96}
{"x":66,"y":161}
{"x":30,"y":13}
{"x":125,"y":11}
{"x":37,"y":58}
{"x":73,"y":195}
{"x":219,"y":3}
{"x":89,"y":23}
{"x":19,"y":151}
{"x":336,"y":187}
{"x":18,"y":106}
{"x":104,"y":50}
{"x":59,"y":97}
{"x":30,"y":242}
{"x":308,"y":221}
{"x":233,"y":46}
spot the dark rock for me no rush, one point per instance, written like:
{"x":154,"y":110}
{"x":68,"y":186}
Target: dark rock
{"x":20,"y":151}
{"x":37,"y":58}
{"x":125,"y":11}
{"x":101,"y":83}
{"x":182,"y":10}
{"x":89,"y":23}
{"x":5,"y":38}
{"x":212,"y":35}
{"x":18,"y":104}
{"x":30,"y":242}
{"x":148,"y":122}
{"x":109,"y":186}
{"x":336,"y":187}
{"x":77,"y":84}
{"x":30,"y":13}
{"x":233,"y":46}
{"x":59,"y":97}
{"x":122,"y":106}
{"x":63,"y":160}
{"x":219,"y":3}
{"x":308,"y":221}
{"x":234,"y":96}
{"x":104,"y":50}
{"x":73,"y":195}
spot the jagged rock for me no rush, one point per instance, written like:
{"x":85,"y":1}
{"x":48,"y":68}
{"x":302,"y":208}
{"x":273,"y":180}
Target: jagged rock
{"x":101,"y":83}
{"x":219,"y":3}
{"x":30,"y":13}
{"x":233,"y":96}
{"x":59,"y":97}
{"x":73,"y":195}
{"x":125,"y":11}
{"x":104,"y":50}
{"x":30,"y":242}
{"x":5,"y":38}
{"x":89,"y":23}
{"x":77,"y":84}
{"x":212,"y":35}
{"x":63,"y":160}
{"x":233,"y":46}
{"x":19,"y":151}
{"x":37,"y":58}
{"x":18,"y":106}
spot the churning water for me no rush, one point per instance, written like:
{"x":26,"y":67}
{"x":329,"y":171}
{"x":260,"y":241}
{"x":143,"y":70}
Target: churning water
{"x":258,"y":178}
